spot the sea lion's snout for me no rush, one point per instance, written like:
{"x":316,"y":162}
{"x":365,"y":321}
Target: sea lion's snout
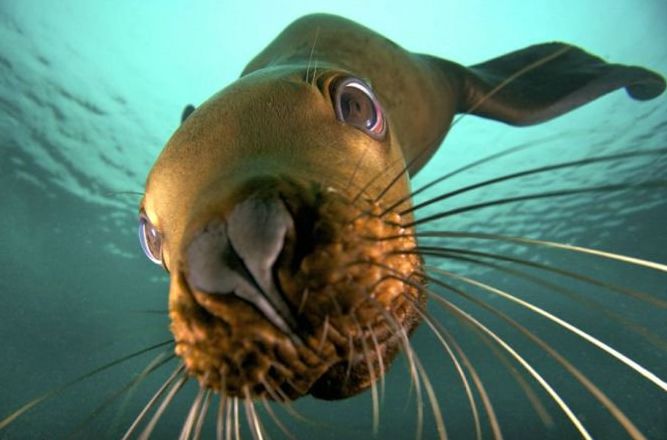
{"x":286,"y":291}
{"x":237,"y":257}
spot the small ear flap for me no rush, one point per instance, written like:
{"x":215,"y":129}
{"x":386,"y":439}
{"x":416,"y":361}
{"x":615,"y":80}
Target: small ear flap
{"x":187,"y":111}
{"x":541,"y":82}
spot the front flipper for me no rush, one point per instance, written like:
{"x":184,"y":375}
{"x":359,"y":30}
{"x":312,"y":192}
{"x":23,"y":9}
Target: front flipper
{"x":541,"y":82}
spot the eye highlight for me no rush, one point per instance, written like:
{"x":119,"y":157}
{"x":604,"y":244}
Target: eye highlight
{"x":356,"y":105}
{"x":150,"y":239}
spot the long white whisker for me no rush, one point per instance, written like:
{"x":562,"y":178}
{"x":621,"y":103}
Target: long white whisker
{"x":462,"y":314}
{"x":220,"y":418}
{"x":276,"y":420}
{"x":550,"y":244}
{"x":378,"y":355}
{"x":433,"y":400}
{"x":228,"y":418}
{"x":192,"y":415}
{"x":641,"y":330}
{"x":350,"y":356}
{"x":449,"y":252}
{"x":532,"y":397}
{"x":127,"y":390}
{"x":202,"y":415}
{"x":179,"y":369}
{"x":145,"y":434}
{"x":457,"y":365}
{"x":237,"y":425}
{"x":524,"y":363}
{"x":582,"y":378}
{"x":251,"y":418}
{"x":477,"y":380}
{"x":374,"y":388}
{"x":58,"y":390}
{"x":588,"y":337}
{"x":411,"y":356}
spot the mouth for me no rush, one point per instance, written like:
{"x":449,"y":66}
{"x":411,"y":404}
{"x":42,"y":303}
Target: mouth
{"x":292,"y":295}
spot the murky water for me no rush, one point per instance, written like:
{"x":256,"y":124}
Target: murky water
{"x":89,"y":93}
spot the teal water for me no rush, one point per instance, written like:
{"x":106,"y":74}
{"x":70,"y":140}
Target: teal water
{"x":89,"y":93}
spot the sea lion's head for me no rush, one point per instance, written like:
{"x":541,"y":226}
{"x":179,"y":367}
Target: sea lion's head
{"x":263,"y":209}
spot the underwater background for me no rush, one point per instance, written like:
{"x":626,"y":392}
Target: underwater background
{"x":91,"y":90}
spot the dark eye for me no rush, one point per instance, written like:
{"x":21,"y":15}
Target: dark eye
{"x":356,"y":105}
{"x":150,"y":239}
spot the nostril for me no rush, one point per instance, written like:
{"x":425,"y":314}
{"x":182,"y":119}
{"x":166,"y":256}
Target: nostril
{"x":237,"y":257}
{"x":211,"y":261}
{"x":257,"y":229}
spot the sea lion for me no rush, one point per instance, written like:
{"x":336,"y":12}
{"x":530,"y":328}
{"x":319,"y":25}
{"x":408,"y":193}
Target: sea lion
{"x":269,"y":203}
{"x":272,"y":206}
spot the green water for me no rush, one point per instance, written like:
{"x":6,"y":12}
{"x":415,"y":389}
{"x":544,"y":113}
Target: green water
{"x":89,"y":93}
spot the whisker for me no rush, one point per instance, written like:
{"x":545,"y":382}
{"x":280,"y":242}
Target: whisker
{"x":598,"y":394}
{"x":123,"y":193}
{"x":350,"y":355}
{"x":57,"y":391}
{"x":276,"y":420}
{"x":632,"y":326}
{"x":310,"y":58}
{"x":433,"y":400}
{"x":160,"y":360}
{"x":549,"y":244}
{"x":170,"y":380}
{"x":150,"y":312}
{"x":377,"y":175}
{"x":576,"y":373}
{"x":495,"y":426}
{"x":202,"y":415}
{"x":502,"y":343}
{"x":374,"y":389}
{"x":538,"y":170}
{"x":530,"y":394}
{"x":469,"y":166}
{"x":192,"y":414}
{"x":378,"y":355}
{"x":175,"y":388}
{"x":477,"y":380}
{"x":278,"y":395}
{"x":220,"y":418}
{"x":555,"y":319}
{"x":302,"y":303}
{"x":258,"y":421}
{"x":642,"y":296}
{"x":536,"y":196}
{"x":596,"y":305}
{"x":229,"y":420}
{"x":356,"y":168}
{"x":457,"y":365}
{"x":398,"y":330}
{"x":524,"y":363}
{"x":251,"y":417}
{"x":398,"y":176}
{"x":325,"y":331}
{"x":237,"y":425}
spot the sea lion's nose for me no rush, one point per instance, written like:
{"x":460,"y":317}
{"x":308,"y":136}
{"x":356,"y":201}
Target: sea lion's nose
{"x":236,"y":257}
